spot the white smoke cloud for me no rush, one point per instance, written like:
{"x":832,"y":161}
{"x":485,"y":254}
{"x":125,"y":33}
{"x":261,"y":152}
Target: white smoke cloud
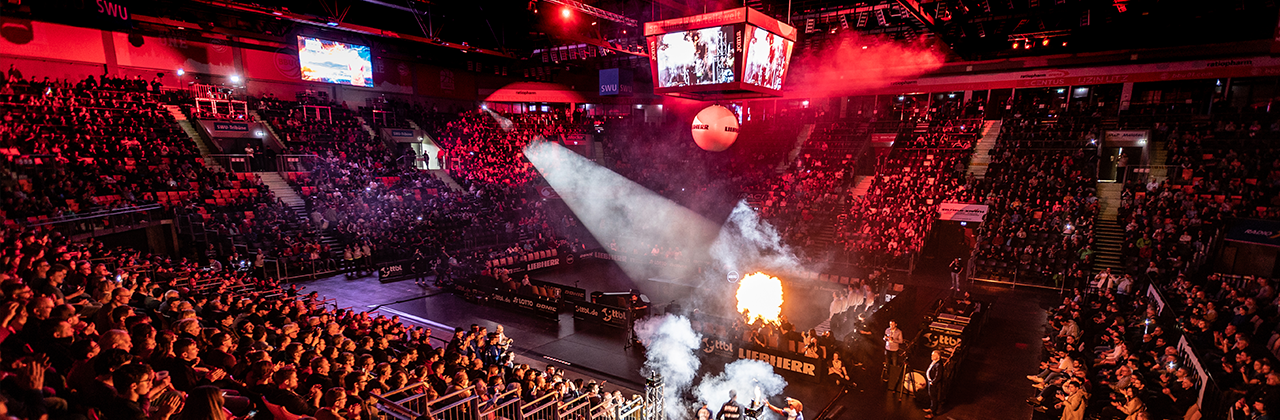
{"x":671,"y":349}
{"x":748,"y":244}
{"x":743,"y":376}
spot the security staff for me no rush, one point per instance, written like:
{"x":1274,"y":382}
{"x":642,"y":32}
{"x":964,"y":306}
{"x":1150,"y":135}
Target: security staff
{"x":933,"y":375}
{"x":731,"y":410}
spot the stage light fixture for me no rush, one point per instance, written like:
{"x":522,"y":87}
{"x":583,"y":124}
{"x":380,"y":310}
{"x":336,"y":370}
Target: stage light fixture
{"x":181,"y":72}
{"x":565,"y":12}
{"x":235,"y":78}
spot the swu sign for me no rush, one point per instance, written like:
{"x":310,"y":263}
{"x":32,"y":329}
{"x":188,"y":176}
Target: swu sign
{"x":114,"y":10}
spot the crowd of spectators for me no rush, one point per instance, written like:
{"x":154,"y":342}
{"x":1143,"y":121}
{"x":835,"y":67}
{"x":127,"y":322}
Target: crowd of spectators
{"x":487,"y":147}
{"x":158,"y":338}
{"x":92,"y":144}
{"x":1107,"y":355}
{"x":1041,"y":210}
{"x":943,"y":134}
{"x":300,"y":125}
{"x":888,"y":224}
{"x":1062,"y":132}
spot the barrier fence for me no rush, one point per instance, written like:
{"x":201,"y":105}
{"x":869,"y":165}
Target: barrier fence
{"x":411,"y":403}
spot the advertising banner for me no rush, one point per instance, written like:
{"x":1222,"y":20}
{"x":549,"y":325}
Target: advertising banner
{"x":883,"y":137}
{"x":230,"y":126}
{"x":962,"y":212}
{"x":536,"y":260}
{"x":1189,"y":355}
{"x":808,"y":367}
{"x":617,"y":82}
{"x":601,"y":314}
{"x":1254,"y":231}
{"x":561,"y":291}
{"x":401,"y":270}
{"x":538,"y":305}
{"x":1125,"y":137}
{"x":1155,"y":298}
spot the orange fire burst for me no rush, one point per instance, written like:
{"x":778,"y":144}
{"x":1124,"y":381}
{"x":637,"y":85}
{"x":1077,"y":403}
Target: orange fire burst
{"x":761,"y":295}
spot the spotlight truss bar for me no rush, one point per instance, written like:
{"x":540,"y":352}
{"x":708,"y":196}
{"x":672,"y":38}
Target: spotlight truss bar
{"x":596,"y":11}
{"x":1039,"y":35}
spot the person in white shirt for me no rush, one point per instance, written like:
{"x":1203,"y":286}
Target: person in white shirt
{"x":892,"y":345}
{"x":794,"y":409}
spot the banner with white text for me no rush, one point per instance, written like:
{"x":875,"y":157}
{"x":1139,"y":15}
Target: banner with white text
{"x":962,"y":212}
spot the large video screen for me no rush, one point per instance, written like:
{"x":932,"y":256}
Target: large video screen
{"x":767,"y":57}
{"x":335,"y":62}
{"x":696,"y":57}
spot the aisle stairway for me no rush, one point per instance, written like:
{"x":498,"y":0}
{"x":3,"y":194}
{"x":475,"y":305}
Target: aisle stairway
{"x":982,"y":150}
{"x":1109,"y":199}
{"x":1159,"y":155}
{"x":279,"y":141}
{"x":1108,"y":233}
{"x":1108,"y":240}
{"x":373,"y":134}
{"x":448,"y":180}
{"x":861,"y":185}
{"x":285,"y":193}
{"x":191,"y":132}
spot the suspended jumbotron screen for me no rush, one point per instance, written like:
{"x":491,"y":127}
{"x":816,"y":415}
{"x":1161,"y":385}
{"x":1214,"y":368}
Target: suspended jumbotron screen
{"x":732,"y":54}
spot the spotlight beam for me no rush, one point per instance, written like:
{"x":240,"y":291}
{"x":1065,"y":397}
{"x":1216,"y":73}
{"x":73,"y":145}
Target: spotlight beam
{"x":620,"y":211}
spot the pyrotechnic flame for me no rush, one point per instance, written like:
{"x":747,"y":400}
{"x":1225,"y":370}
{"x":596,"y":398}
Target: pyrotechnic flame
{"x":761,"y":296}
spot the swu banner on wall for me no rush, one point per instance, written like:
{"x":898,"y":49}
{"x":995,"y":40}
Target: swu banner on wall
{"x":962,"y":212}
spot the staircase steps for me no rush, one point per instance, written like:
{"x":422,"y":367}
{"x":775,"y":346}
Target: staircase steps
{"x":982,"y":149}
{"x":205,"y":151}
{"x":286,"y":194}
{"x":373,"y":134}
{"x":1109,"y":199}
{"x":448,"y":180}
{"x":1159,"y":155}
{"x":861,"y":185}
{"x":1108,"y":243}
{"x":279,"y":141}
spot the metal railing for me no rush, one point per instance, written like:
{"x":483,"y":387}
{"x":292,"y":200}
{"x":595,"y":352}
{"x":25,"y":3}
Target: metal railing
{"x":410,"y":403}
{"x":242,"y":162}
{"x":1158,"y":173}
{"x":102,"y":222}
{"x":296,"y":163}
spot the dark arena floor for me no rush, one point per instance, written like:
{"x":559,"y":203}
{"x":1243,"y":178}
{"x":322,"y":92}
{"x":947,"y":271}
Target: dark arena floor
{"x":1008,"y":349}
